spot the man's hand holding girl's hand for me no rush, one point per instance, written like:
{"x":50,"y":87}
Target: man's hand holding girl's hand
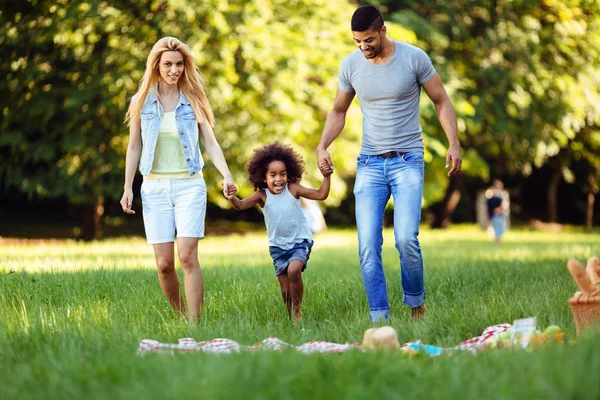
{"x":325,"y":168}
{"x":326,"y":171}
{"x":324,"y":162}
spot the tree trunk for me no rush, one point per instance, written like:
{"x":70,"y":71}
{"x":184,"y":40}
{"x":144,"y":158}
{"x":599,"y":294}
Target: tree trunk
{"x":443,"y":211}
{"x":591,"y":199}
{"x":553,"y":190}
{"x":92,"y":220}
{"x":589,"y":215}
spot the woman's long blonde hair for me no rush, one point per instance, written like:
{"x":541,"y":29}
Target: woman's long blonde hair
{"x":190,"y":83}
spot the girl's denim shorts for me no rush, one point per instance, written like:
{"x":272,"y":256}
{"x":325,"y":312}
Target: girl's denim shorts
{"x":282,"y":257}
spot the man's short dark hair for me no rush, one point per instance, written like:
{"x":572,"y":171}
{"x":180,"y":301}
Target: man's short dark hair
{"x":366,"y":18}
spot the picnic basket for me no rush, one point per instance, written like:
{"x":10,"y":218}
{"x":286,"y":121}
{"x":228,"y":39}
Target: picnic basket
{"x":585,"y":315}
{"x":585,"y":304}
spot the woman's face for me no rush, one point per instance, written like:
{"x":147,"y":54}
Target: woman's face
{"x":276,"y":178}
{"x":170,"y":67}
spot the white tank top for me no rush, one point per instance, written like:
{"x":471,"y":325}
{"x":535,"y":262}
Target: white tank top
{"x":284,"y":219}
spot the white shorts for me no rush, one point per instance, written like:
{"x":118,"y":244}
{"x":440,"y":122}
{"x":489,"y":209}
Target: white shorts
{"x":173,"y":205}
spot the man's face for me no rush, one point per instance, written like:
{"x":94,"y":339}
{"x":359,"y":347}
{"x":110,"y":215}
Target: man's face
{"x":370,"y":42}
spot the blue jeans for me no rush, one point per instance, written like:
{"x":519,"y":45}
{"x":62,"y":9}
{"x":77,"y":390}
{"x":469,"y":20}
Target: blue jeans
{"x":499,"y":225}
{"x":376,"y":179}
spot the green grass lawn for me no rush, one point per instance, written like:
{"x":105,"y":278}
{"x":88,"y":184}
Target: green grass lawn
{"x":73,"y":314}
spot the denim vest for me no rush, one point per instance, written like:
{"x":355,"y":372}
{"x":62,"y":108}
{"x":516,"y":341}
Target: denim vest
{"x":187,"y":126}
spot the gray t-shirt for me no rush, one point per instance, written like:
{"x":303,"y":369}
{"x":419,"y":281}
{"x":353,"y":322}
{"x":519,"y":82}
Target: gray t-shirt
{"x":389,"y":97}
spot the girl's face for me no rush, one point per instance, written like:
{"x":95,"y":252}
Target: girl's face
{"x":276,"y":178}
{"x":170,"y":67}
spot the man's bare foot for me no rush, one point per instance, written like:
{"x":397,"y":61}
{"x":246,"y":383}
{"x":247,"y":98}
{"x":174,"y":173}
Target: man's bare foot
{"x":418,"y":313}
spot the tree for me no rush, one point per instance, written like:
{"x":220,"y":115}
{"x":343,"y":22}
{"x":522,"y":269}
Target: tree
{"x":70,"y":69}
{"x":524,"y":79}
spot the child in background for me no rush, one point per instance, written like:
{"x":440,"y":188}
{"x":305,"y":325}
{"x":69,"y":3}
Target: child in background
{"x":497,"y":208}
{"x":275,"y":171}
{"x":314,"y":215}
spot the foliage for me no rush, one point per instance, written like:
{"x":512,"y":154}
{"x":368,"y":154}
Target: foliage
{"x":71,"y":68}
{"x":272,"y":73}
{"x":523,"y":76}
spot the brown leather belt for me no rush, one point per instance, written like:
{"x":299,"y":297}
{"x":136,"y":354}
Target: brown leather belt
{"x":391,"y":154}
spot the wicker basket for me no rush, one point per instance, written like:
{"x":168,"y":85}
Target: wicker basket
{"x":585,"y":315}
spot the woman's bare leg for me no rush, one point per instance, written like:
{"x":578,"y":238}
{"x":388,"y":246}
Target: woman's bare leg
{"x":187,"y":248}
{"x":167,"y":276}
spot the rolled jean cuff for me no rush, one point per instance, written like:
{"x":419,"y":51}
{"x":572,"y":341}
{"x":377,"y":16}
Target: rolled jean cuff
{"x":414,"y":300}
{"x":380,"y":315}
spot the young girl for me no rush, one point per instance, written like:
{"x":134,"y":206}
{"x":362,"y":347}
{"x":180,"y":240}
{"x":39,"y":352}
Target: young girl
{"x":166,"y":117}
{"x":275,"y":171}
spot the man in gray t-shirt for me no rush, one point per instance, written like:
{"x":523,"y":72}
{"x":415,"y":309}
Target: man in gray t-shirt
{"x":387,"y":76}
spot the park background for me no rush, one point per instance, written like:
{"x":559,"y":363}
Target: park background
{"x":523,"y":75}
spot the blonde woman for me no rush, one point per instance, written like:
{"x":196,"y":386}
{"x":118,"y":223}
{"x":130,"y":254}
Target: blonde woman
{"x":166,"y":117}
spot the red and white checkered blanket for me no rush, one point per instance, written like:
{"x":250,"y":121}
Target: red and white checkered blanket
{"x":224,"y":346}
{"x":478,"y":342}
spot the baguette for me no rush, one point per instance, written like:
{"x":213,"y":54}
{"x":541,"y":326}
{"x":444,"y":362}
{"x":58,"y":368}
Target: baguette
{"x":593,"y":271}
{"x":580,"y":276}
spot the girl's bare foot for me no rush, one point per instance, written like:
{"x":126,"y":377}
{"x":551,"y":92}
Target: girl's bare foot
{"x":297,"y":317}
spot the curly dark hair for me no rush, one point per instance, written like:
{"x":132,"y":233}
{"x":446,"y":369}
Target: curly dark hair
{"x":263,"y":156}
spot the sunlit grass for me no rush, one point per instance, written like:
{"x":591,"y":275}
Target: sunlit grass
{"x":72,"y":315}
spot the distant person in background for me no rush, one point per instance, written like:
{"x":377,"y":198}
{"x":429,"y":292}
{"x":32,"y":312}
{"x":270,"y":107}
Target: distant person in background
{"x":314,"y":215}
{"x":498,"y":205}
{"x":166,"y":117}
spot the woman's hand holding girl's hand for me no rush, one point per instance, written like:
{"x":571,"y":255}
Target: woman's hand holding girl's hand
{"x":127,"y":201}
{"x":229,"y":188}
{"x":230,"y":192}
